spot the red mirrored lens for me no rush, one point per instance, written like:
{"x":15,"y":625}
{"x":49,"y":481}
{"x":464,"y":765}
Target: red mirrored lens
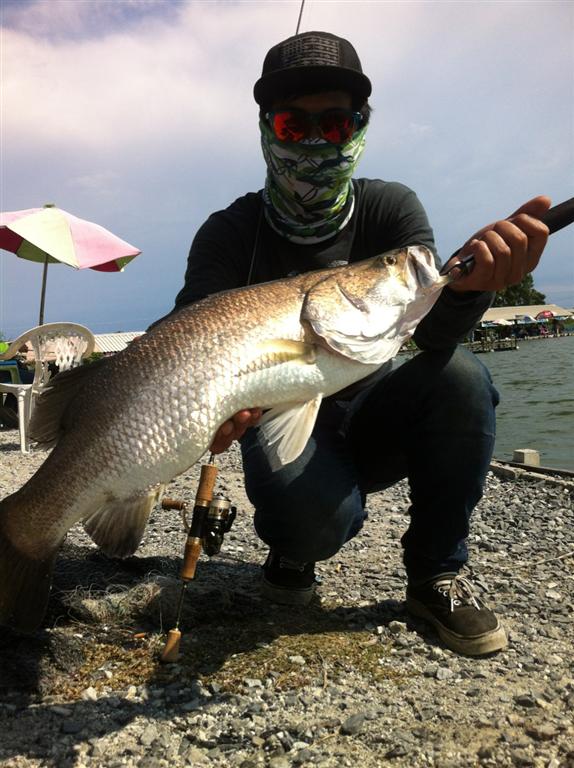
{"x":335,"y":125}
{"x":291,"y":126}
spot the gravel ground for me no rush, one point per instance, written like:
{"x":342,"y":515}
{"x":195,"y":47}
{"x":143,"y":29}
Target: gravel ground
{"x":350,"y":679}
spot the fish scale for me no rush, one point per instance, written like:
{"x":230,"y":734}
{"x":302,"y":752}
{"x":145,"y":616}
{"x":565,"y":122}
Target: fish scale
{"x":125,"y":427}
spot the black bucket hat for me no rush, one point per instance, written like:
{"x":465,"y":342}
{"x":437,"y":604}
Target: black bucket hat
{"x":309,"y":61}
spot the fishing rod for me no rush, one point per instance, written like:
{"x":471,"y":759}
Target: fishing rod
{"x":555,"y":218}
{"x":211,"y":519}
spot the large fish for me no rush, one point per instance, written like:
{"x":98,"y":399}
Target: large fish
{"x":125,"y":427}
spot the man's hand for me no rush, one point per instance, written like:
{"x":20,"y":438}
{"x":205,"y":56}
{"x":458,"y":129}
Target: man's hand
{"x":506,"y":251}
{"x":234,"y":429}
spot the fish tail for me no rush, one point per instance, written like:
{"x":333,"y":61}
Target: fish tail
{"x":118,"y":526}
{"x":25,"y":579}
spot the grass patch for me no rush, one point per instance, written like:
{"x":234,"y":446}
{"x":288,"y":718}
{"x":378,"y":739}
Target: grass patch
{"x":227,"y":640}
{"x":293,"y":655}
{"x":296,"y":660}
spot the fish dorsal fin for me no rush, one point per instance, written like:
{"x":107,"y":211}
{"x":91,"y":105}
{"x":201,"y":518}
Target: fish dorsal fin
{"x":287,"y":428}
{"x":349,"y":326}
{"x":47,"y":422}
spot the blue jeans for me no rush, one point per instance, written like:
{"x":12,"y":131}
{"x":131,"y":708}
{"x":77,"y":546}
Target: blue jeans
{"x":430,"y":420}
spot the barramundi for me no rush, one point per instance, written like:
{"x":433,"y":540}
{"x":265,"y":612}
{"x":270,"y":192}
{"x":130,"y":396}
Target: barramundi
{"x":124,"y":427}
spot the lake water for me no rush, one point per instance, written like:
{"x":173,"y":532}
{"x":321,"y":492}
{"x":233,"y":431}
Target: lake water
{"x":536,"y":385}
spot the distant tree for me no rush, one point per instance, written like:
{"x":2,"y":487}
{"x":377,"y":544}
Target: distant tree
{"x":520,"y":295}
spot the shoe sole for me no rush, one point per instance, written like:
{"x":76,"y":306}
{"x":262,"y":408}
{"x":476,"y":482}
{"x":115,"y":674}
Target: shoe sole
{"x":285,"y":596}
{"x":479,"y":645}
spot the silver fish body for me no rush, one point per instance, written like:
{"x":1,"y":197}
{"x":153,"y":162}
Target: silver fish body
{"x":125,"y":429}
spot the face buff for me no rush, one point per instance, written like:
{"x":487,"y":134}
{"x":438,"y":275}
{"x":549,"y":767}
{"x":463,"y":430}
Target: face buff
{"x":308,"y":195}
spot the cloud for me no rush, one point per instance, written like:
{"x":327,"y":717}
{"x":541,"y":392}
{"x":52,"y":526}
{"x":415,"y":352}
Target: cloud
{"x":419,"y":130}
{"x":100,"y":183}
{"x":59,"y":20}
{"x":139,"y":115}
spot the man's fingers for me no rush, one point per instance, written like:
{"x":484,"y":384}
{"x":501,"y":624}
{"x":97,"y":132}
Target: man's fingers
{"x":247,"y":418}
{"x":537,"y":234}
{"x":234,"y":428}
{"x":482,"y":270}
{"x":511,"y":269}
{"x":502,"y":264}
{"x":507,"y":250}
{"x":241,"y":418}
{"x":536,"y":207}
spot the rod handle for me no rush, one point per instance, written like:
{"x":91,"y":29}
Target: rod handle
{"x":191,"y":554}
{"x":206,"y":485}
{"x":170,"y":653}
{"x":168,"y":503}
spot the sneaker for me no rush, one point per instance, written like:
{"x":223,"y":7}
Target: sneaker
{"x":464,"y":623}
{"x":287,"y":581}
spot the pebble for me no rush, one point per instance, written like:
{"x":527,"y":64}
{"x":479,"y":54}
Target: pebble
{"x":149,"y":735}
{"x":72,"y":726}
{"x":525,"y":700}
{"x":353,"y":724}
{"x":279,"y":762}
{"x":542,"y":732}
{"x":397,"y":627}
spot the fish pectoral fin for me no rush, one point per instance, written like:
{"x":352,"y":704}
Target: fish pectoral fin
{"x":118,"y":526}
{"x":287,"y":428}
{"x":271,"y":352}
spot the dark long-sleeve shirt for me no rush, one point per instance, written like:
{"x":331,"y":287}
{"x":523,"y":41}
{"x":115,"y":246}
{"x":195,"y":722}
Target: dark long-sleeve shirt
{"x":236,"y":247}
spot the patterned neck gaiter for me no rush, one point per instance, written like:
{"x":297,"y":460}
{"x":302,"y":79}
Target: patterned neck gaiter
{"x":308,"y":195}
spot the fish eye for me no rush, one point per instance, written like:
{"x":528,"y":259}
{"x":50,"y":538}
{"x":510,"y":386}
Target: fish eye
{"x":390,"y":261}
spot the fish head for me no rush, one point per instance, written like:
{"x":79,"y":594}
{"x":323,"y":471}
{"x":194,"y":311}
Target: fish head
{"x":367,"y":310}
{"x":394,"y":278}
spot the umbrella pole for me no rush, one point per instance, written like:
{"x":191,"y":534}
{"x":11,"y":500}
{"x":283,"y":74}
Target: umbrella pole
{"x":43,"y":293}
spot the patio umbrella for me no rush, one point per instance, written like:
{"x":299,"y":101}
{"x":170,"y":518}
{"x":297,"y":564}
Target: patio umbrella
{"x":51,"y":235}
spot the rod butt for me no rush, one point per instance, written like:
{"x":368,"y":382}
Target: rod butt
{"x":171,"y":651}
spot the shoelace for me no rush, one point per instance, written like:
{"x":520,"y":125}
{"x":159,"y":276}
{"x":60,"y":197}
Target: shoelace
{"x":458,"y":590}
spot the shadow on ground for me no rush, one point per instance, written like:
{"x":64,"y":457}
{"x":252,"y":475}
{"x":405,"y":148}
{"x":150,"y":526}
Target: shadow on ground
{"x":230,"y":638}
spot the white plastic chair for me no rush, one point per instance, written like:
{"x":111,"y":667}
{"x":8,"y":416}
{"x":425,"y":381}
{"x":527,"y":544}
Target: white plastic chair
{"x":64,"y":344}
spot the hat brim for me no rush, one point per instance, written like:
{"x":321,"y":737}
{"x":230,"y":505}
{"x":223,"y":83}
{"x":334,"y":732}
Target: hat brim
{"x":288,"y":82}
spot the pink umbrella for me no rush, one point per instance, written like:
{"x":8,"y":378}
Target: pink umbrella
{"x":51,"y":235}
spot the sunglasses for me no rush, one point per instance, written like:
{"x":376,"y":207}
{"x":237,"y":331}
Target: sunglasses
{"x":335,"y":125}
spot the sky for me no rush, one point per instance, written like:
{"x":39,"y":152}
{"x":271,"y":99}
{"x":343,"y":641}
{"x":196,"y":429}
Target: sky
{"x":139,"y":115}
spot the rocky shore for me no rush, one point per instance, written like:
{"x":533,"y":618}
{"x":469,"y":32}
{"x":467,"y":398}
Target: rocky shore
{"x":350,"y":680}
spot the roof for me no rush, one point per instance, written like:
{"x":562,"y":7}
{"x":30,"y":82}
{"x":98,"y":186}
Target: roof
{"x":510,"y":313}
{"x":115,"y":342}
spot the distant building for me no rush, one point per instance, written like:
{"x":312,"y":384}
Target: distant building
{"x":496,"y":314}
{"x":108,"y":343}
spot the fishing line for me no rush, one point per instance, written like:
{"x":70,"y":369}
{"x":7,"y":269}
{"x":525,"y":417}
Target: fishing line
{"x":255,"y":244}
{"x":300,"y":16}
{"x":259,"y":220}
